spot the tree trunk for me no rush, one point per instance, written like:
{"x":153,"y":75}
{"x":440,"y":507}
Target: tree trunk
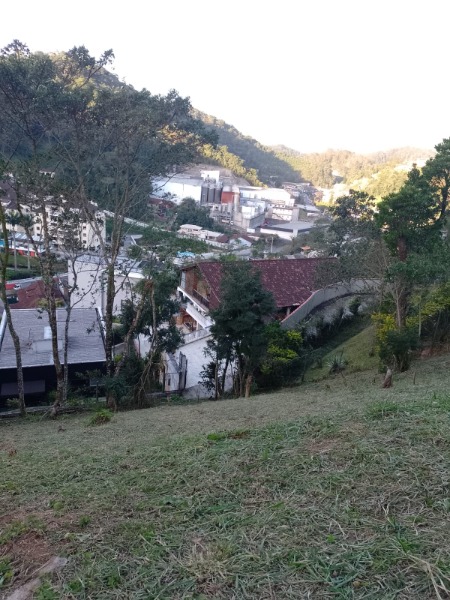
{"x":387,"y":383}
{"x":248,"y":385}
{"x":16,"y":341}
{"x":15,"y":252}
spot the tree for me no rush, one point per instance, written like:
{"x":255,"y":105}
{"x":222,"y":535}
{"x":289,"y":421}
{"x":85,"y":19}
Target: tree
{"x":353,"y":217}
{"x":411,"y":222}
{"x":284,"y":360}
{"x":27,"y":222}
{"x":13,"y":219}
{"x":189,"y":212}
{"x":239,"y":322}
{"x":100,"y":142}
{"x":437,"y":172}
{"x":150,"y":313}
{"x":4,"y":259}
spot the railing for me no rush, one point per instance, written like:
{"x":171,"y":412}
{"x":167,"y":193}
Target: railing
{"x":196,"y":335}
{"x":200,"y":298}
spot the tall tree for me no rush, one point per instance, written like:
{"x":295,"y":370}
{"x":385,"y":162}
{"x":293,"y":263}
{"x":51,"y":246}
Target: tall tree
{"x":410,"y":221}
{"x":239,"y":322}
{"x":102,"y":143}
{"x":437,"y":172}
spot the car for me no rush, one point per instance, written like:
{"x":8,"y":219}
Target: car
{"x":17,"y":286}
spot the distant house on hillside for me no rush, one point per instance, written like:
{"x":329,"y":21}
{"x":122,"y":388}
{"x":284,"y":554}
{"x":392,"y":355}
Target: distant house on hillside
{"x":291,"y":281}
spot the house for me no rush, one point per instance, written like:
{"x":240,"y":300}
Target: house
{"x":291,"y":281}
{"x":87,"y":274}
{"x":33,"y":295}
{"x":86,"y":350}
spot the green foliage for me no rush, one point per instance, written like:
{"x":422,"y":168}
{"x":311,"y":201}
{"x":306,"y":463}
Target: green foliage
{"x":321,"y":168}
{"x":101,"y":416}
{"x":353,"y":217}
{"x":189,"y":212}
{"x":46,"y":592}
{"x":167,"y":243}
{"x":223,"y":157}
{"x":387,"y":181}
{"x":394,"y":345}
{"x":6,"y":571}
{"x":284,"y":361}
{"x":409,"y":218}
{"x":239,"y":322}
{"x":245,"y":156}
{"x":337,"y":363}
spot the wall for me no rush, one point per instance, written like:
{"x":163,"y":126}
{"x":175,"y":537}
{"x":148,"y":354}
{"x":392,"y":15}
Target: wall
{"x":357,"y":286}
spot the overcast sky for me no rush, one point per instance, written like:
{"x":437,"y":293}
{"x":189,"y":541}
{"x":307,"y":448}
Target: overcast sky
{"x":362,"y":75}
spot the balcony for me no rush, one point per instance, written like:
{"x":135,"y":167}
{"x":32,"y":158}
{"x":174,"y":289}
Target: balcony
{"x":203,"y":320}
{"x":204,"y":301}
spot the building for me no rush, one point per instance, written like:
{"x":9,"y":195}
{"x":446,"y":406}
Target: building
{"x":86,"y":351}
{"x":67,"y":223}
{"x":87,"y":273}
{"x":291,"y":281}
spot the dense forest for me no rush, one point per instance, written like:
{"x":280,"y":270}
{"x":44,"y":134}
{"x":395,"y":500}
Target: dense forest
{"x":258,"y":161}
{"x":376,"y":173}
{"x":334,"y":166}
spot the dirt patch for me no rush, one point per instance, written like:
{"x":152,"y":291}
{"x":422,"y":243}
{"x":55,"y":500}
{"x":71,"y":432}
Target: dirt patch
{"x":322,"y":446}
{"x":26,"y":554}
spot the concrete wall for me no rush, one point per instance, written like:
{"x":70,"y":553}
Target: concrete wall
{"x":357,"y":286}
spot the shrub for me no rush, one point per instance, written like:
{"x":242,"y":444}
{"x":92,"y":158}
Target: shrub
{"x":337,"y":363}
{"x":396,"y":348}
{"x":101,"y":416}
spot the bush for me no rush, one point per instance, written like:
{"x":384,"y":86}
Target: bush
{"x":101,"y":416}
{"x":337,"y":364}
{"x":395,"y":350}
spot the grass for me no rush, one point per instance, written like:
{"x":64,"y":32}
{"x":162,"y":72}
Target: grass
{"x":338,"y":489}
{"x":358,"y":351}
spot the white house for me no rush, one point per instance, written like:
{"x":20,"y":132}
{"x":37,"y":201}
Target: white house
{"x":87,"y":273}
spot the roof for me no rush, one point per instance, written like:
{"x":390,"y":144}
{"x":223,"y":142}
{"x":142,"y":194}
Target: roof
{"x":291,"y":281}
{"x":32,"y":326}
{"x":31,"y":295}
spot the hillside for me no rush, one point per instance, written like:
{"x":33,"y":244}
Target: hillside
{"x":330,"y":490}
{"x":268,"y":167}
{"x":333,"y":166}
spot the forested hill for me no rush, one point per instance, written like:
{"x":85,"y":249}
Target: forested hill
{"x":326,"y":168}
{"x":377,"y":173}
{"x":246,"y":156}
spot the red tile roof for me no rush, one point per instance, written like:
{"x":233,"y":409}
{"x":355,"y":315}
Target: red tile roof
{"x":291,"y":281}
{"x":31,"y":295}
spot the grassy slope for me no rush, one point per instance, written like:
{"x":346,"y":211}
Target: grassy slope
{"x":358,"y":351}
{"x":332,"y":490}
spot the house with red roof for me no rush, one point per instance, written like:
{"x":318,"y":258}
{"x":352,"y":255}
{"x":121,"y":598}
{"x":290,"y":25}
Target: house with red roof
{"x":291,"y":282}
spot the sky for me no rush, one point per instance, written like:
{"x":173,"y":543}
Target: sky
{"x":361,"y":75}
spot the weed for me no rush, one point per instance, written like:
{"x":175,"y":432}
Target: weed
{"x":46,"y":592}
{"x":101,"y":416}
{"x":84,"y":520}
{"x":337,"y":363}
{"x":384,"y":408}
{"x":6,"y":571}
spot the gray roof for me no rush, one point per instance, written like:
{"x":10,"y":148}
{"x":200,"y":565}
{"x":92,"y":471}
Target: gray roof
{"x":85,"y":338}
